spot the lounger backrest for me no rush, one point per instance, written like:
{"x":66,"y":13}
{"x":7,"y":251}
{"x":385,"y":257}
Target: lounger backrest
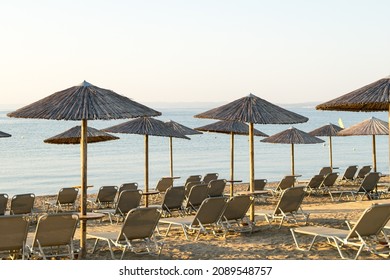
{"x":67,"y":195}
{"x":259,"y":185}
{"x":127,"y":201}
{"x":372,"y":221}
{"x":330,"y":179}
{"x":349,"y":173}
{"x":197,"y":195}
{"x":193,"y":178}
{"x":127,"y":186}
{"x":140,"y":223}
{"x":325,"y":170}
{"x":13,"y":232}
{"x":173,"y":198}
{"x":237,"y":207}
{"x":55,"y":229}
{"x":22,"y":204}
{"x":316,"y":181}
{"x":369,"y":182}
{"x":290,"y":200}
{"x":189,"y":186}
{"x":107,"y":194}
{"x":163,"y":184}
{"x":216,"y":187}
{"x":363,"y":171}
{"x":287,"y":182}
{"x":3,"y":203}
{"x":209,"y":177}
{"x":210,"y":211}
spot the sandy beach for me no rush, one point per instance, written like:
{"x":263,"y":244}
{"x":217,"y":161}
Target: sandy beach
{"x":266,"y":242}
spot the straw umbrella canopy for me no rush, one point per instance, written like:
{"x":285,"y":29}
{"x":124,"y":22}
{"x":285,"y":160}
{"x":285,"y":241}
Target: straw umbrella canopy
{"x":84,"y":102}
{"x":372,"y":127}
{"x":182,"y":129}
{"x":3,"y":134}
{"x":370,"y":98}
{"x":73,"y":136}
{"x":253,"y":110}
{"x":146,"y":126}
{"x":292,"y":136}
{"x":232,"y":128}
{"x":328,"y":130}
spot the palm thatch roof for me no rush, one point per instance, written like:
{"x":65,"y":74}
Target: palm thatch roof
{"x":252,"y":109}
{"x":372,"y":126}
{"x":84,"y":102}
{"x":228,"y":127}
{"x":292,"y":136}
{"x":145,"y":126}
{"x":3,"y":134}
{"x":73,"y":136}
{"x":372,"y":97}
{"x":182,"y":129}
{"x":326,"y":130}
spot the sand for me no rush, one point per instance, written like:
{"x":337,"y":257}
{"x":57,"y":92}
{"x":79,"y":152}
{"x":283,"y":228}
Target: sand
{"x":266,"y":242}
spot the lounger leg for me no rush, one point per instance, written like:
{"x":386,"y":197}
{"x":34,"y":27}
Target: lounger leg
{"x":297,"y":244}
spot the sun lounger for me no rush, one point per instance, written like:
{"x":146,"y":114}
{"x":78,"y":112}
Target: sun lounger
{"x":13,"y":234}
{"x":105,"y":197}
{"x":127,"y":201}
{"x":363,"y":171}
{"x":65,"y":200}
{"x":366,"y":188}
{"x":314,"y":184}
{"x":197,"y":195}
{"x":136,"y":233}
{"x":288,"y":207}
{"x":22,"y":204}
{"x":209,"y":176}
{"x":3,"y":203}
{"x":163,"y":184}
{"x":325,"y":170}
{"x":205,"y":220}
{"x":286,"y":182}
{"x":329,"y":183}
{"x":216,"y":187}
{"x":349,"y":174}
{"x":193,"y":178}
{"x":364,"y":234}
{"x":234,"y":217}
{"x":259,"y":193}
{"x":53,"y":236}
{"x":173,"y":201}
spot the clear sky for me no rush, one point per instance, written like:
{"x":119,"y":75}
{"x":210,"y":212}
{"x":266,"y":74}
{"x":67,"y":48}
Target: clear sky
{"x":193,"y":51}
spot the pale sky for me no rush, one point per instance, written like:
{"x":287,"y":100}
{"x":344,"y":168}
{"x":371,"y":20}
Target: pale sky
{"x":193,"y":51}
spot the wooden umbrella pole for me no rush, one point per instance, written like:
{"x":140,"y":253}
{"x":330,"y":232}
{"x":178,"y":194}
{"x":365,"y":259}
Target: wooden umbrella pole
{"x":231,"y":162}
{"x":374,"y":152}
{"x":83,"y":210}
{"x":330,"y":153}
{"x":171,"y":155}
{"x":252,"y":170}
{"x":146,"y":169}
{"x":292,"y":160}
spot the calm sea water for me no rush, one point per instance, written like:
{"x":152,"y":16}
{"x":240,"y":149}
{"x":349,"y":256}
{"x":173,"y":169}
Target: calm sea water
{"x":30,"y":165}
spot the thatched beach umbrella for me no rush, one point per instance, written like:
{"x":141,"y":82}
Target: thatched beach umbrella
{"x":182,"y":129}
{"x":253,"y":110}
{"x":3,"y":134}
{"x":328,"y":130}
{"x":372,"y":127}
{"x":84,"y":102}
{"x":73,"y":136}
{"x":292,"y":136}
{"x":369,"y":98}
{"x":146,"y":126}
{"x":233,"y":128}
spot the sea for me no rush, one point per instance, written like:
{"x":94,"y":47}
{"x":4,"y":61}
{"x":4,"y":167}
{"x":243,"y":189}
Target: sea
{"x":29,"y":165}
